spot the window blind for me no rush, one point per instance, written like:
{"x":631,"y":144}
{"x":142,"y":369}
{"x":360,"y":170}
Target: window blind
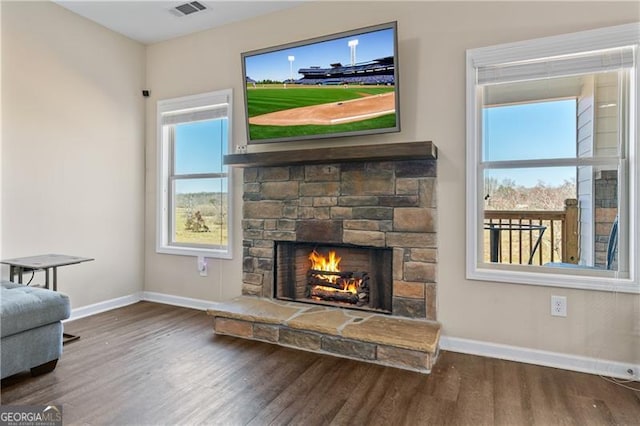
{"x":558,"y":66}
{"x":195,"y":114}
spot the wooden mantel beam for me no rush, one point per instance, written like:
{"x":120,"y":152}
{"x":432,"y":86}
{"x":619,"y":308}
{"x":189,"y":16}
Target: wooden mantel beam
{"x":344,"y":154}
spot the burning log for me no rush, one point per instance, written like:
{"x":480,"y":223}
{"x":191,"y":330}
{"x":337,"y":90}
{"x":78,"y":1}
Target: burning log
{"x":337,"y":296}
{"x":363,"y":299}
{"x":349,"y":287}
{"x":315,"y":277}
{"x":337,"y":274}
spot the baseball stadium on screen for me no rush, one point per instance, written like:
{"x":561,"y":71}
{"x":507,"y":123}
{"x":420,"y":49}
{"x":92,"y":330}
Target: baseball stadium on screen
{"x":343,"y":84}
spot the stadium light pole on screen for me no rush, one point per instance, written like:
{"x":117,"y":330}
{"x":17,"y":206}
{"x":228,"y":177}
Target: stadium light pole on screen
{"x":352,"y":46}
{"x":291,"y":58}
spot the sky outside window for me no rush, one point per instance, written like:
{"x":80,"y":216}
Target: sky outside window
{"x":199,"y":148}
{"x":540,"y":130}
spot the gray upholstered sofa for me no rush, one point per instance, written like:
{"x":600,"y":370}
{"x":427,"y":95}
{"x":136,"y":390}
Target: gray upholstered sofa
{"x":31,"y":328}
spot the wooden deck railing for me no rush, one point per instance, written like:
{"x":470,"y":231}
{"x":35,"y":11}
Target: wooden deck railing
{"x":520,"y":231}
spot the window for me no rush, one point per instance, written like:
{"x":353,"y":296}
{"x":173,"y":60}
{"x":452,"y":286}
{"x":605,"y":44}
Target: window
{"x":194,"y":187}
{"x":552,"y":161}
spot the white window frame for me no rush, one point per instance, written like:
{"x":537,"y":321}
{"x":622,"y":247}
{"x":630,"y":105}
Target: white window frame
{"x":586,"y":41}
{"x":204,"y":101}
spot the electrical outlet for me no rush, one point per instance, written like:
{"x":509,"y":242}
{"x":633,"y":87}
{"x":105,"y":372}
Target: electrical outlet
{"x":202,"y":266}
{"x":241,"y":149}
{"x":558,"y":306}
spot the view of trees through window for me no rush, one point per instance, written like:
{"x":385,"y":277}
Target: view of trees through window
{"x":526,"y":213}
{"x":507,"y":194}
{"x":201,"y":218}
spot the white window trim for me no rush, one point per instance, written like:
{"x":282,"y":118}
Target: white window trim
{"x":163,"y":215}
{"x":476,"y":269}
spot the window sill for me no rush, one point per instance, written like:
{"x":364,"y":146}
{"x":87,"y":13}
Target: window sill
{"x":587,"y":281}
{"x":190,"y":251}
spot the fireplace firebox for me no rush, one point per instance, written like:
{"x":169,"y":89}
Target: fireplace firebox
{"x":353,"y":277}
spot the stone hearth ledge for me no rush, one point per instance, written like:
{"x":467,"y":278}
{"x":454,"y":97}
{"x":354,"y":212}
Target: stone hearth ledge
{"x":405,"y":343}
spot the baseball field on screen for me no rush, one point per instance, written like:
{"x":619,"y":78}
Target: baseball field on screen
{"x":276,"y":111}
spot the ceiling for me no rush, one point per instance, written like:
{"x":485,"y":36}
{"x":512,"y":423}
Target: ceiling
{"x":154,"y":21}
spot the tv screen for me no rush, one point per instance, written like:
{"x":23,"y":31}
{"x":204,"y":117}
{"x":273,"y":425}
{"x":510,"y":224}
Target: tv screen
{"x":343,"y":84}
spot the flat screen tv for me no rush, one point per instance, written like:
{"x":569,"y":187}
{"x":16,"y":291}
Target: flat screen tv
{"x":343,"y":84}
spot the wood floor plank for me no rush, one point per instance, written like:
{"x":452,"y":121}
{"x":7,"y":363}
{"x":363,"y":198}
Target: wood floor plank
{"x":476,"y":393}
{"x":512,"y":398}
{"x":153,"y":364}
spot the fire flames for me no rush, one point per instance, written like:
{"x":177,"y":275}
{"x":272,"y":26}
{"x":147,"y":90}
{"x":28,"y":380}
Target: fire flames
{"x":331,"y":263}
{"x":327,"y":264}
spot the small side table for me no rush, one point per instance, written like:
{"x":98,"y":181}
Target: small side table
{"x":45,"y":262}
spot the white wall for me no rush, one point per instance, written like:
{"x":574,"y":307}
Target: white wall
{"x":73,"y":148}
{"x":433,"y":37}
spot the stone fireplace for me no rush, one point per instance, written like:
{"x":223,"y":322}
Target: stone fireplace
{"x":375,"y":208}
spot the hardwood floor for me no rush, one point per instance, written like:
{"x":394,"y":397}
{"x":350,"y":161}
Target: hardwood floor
{"x":153,"y":364}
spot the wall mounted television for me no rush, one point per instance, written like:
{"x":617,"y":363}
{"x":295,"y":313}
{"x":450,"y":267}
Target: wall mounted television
{"x":343,"y":84}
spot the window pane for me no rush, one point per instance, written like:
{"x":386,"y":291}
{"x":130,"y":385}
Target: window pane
{"x":524,"y":213}
{"x":553,"y":216}
{"x":200,"y":212}
{"x":538,"y":130}
{"x":199,"y":147}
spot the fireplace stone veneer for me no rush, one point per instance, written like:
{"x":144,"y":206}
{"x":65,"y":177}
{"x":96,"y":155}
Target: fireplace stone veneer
{"x":388,"y":204}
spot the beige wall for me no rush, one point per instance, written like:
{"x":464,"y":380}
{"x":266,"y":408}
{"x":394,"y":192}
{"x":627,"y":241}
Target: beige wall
{"x":432,"y":41}
{"x":73,"y":148}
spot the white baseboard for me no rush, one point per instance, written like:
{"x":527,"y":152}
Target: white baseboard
{"x":150,"y":296}
{"x":544,"y":358}
{"x":185,"y":302}
{"x":107,"y":305}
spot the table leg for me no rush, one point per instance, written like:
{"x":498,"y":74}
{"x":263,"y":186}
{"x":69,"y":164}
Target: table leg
{"x":68,"y":338}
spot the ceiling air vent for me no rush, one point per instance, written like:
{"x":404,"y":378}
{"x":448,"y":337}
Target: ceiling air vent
{"x":188,"y":8}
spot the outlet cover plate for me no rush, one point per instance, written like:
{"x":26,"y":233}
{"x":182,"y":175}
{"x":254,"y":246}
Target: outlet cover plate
{"x":558,"y":306}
